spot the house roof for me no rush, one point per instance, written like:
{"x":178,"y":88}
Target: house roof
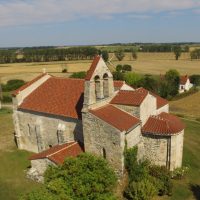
{"x":183,"y":79}
{"x":115,"y":117}
{"x":59,"y":153}
{"x":163,"y":124}
{"x":92,"y":68}
{"x":57,"y":96}
{"x":14,"y":93}
{"x":132,"y":98}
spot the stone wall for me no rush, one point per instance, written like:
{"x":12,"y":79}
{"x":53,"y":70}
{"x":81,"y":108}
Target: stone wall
{"x":154,"y":149}
{"x":176,"y":150}
{"x":36,"y":132}
{"x":147,"y":108}
{"x":135,"y":111}
{"x":133,"y":137}
{"x":165,"y":108}
{"x":38,"y":168}
{"x":162,"y":150}
{"x":104,"y":140}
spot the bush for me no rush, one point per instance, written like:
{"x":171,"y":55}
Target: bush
{"x":80,"y":75}
{"x":164,"y":177}
{"x":7,"y":98}
{"x":180,"y":173}
{"x":127,"y":68}
{"x":119,"y":68}
{"x":12,"y":85}
{"x":142,"y":190}
{"x":132,"y":78}
{"x":64,"y":71}
{"x":195,"y":79}
{"x":118,"y":76}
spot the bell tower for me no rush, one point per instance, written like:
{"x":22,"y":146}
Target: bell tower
{"x":98,"y":82}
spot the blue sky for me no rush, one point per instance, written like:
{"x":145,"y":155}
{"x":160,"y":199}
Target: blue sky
{"x":84,"y":22}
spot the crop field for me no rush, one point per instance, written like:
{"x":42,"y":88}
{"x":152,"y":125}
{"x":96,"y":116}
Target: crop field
{"x":188,"y":106}
{"x":147,"y":63}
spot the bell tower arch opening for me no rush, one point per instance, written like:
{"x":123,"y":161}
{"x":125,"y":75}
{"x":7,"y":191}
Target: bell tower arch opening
{"x":97,"y":87}
{"x":105,"y":85}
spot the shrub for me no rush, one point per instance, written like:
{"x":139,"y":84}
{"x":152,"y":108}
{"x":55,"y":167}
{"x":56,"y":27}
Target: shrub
{"x":105,"y":55}
{"x":127,"y":68}
{"x":64,"y":70}
{"x":195,"y":79}
{"x":164,"y":177}
{"x":12,"y":85}
{"x":180,"y":173}
{"x":119,"y":54}
{"x":7,"y":98}
{"x":119,"y":68}
{"x":118,"y":76}
{"x":142,"y":190}
{"x":132,"y":78}
{"x":80,"y":75}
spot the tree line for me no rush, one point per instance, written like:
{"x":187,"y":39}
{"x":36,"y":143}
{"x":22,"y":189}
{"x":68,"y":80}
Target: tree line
{"x":47,"y":54}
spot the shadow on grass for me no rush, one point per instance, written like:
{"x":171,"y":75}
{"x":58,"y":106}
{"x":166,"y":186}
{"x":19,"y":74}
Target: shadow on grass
{"x":195,"y":190}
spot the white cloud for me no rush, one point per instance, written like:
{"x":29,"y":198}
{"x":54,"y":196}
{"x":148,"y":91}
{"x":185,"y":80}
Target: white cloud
{"x":24,"y":12}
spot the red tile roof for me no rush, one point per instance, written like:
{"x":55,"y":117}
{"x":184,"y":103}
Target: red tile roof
{"x":57,"y":96}
{"x":92,"y":68}
{"x":59,"y":153}
{"x":132,"y":98}
{"x":116,"y":117}
{"x":118,"y":84}
{"x":183,"y":79}
{"x":163,"y":124}
{"x":14,"y":93}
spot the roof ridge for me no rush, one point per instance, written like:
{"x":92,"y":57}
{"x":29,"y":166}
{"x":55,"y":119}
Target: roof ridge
{"x":62,"y":149}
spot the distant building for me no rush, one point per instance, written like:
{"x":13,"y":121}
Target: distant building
{"x":184,"y":84}
{"x":55,"y":116}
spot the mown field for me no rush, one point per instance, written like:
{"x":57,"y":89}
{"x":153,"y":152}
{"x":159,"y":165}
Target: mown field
{"x":188,"y":106}
{"x":147,"y":63}
{"x":14,"y":164}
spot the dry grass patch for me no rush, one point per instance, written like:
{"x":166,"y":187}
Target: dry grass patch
{"x":188,"y":106}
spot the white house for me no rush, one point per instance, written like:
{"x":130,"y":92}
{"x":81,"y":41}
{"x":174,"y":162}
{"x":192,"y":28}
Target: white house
{"x":184,"y":84}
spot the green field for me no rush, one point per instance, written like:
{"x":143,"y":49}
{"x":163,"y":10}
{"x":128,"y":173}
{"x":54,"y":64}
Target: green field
{"x":14,"y":163}
{"x":13,"y":181}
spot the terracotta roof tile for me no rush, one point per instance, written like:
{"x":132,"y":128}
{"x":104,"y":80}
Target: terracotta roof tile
{"x":118,"y":84}
{"x":163,"y":124}
{"x":92,"y":67}
{"x":59,"y":153}
{"x":14,"y":93}
{"x":57,"y":96}
{"x":116,"y":117}
{"x":133,"y":98}
{"x":183,"y":79}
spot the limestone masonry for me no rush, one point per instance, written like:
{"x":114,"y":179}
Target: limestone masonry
{"x":60,"y":117}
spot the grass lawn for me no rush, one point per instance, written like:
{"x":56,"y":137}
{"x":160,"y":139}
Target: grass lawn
{"x":14,"y":162}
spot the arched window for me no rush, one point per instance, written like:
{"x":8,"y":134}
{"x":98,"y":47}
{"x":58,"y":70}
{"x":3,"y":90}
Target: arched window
{"x":105,"y":86}
{"x":97,"y":87}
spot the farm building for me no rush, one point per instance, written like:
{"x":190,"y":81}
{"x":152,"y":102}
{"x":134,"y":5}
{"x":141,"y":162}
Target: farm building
{"x":97,"y":114}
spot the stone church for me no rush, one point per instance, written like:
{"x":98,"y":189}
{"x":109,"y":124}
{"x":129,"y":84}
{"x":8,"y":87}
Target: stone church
{"x":60,"y":117}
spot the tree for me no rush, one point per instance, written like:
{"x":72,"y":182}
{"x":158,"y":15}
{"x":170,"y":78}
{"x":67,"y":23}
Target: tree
{"x":119,"y":54}
{"x":83,"y":178}
{"x":119,"y":68}
{"x":132,"y":78}
{"x":134,"y":54}
{"x":172,"y":78}
{"x":105,"y":55}
{"x":195,"y":79}
{"x":177,"y":52}
{"x":127,"y":68}
{"x":80,"y":75}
